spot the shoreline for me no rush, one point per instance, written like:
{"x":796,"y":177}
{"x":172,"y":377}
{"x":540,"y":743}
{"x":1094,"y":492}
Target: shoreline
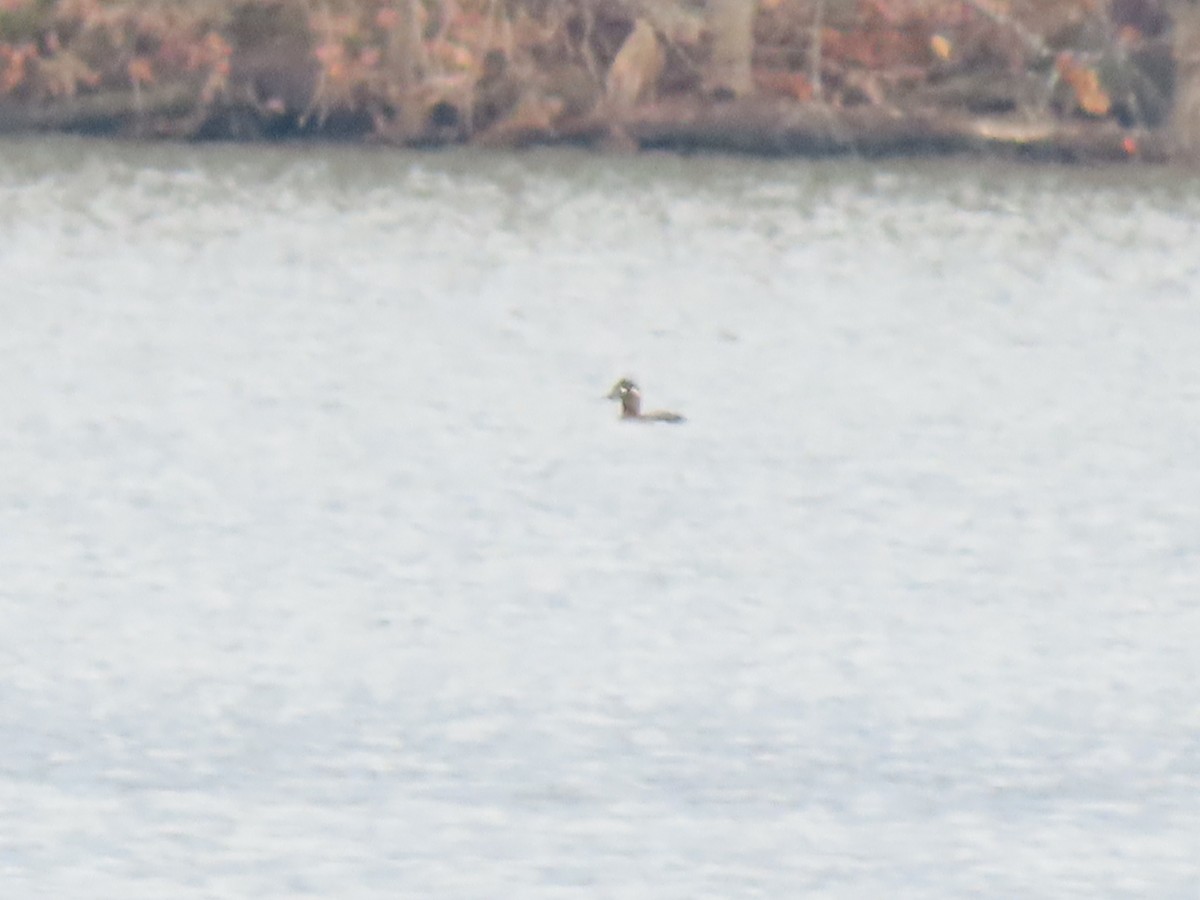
{"x":802,"y":78}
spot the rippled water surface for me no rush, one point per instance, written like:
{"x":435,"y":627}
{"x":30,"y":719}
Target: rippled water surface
{"x":325,"y":571}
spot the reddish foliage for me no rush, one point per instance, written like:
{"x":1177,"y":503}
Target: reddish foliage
{"x":784,"y":84}
{"x":878,"y":47}
{"x":1085,"y":82}
{"x":370,"y":55}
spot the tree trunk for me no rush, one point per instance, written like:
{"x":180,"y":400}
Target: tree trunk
{"x":732,"y":26}
{"x":1185,"y":118}
{"x":408,"y":63}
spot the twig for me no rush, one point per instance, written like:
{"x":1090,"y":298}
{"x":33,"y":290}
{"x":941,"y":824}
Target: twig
{"x":1028,"y":38}
{"x":817,"y":27}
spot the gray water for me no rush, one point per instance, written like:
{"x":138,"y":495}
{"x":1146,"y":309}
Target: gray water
{"x":326,"y":571}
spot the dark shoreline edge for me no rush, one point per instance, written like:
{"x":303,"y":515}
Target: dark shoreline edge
{"x":753,"y":127}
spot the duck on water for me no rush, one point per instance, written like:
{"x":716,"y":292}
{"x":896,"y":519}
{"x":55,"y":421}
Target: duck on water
{"x":630,"y":396}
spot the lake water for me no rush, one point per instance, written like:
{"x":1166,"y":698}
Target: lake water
{"x":326,"y":571}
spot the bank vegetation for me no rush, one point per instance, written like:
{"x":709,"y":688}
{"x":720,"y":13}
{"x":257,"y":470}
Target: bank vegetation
{"x":1077,"y":80}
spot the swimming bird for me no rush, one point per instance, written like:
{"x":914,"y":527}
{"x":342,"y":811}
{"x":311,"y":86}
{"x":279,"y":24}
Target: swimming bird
{"x":630,"y":396}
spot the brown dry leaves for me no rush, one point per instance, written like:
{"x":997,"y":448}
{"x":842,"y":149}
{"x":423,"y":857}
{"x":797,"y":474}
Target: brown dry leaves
{"x":1090,"y":95}
{"x":382,"y":54}
{"x":73,"y":46}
